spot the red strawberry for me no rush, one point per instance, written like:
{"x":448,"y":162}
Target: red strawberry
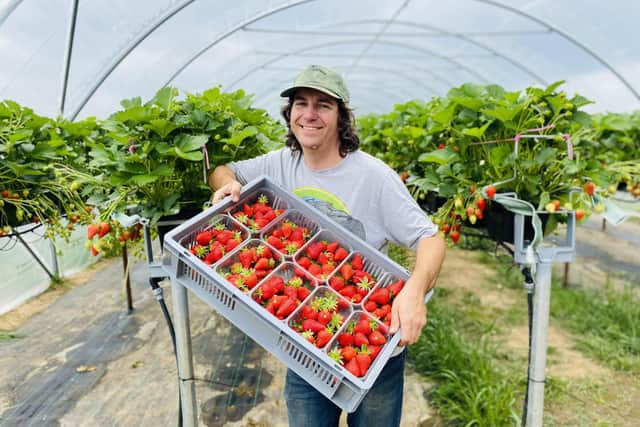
{"x":395,"y":287}
{"x":275,"y":242}
{"x":360,"y":339}
{"x":323,"y":338}
{"x":263,"y":264}
{"x":332,"y":247}
{"x":352,"y":366}
{"x":92,"y":230}
{"x":246,"y":258}
{"x":348,"y":353}
{"x":364,"y":361}
{"x":304,"y":262}
{"x":356,"y":262}
{"x":345,"y":339}
{"x":370,"y":306}
{"x":491,"y":191}
{"x":312,"y":325}
{"x":376,"y":338}
{"x":324,"y":317}
{"x":375,"y":350}
{"x":303,"y":293}
{"x":346,"y":271}
{"x":336,"y":282}
{"x":286,"y":308}
{"x":340,"y":254}
{"x":380,"y":296}
{"x":363,"y":326}
{"x":204,"y":237}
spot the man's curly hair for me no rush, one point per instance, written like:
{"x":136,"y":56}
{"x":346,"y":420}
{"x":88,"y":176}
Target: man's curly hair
{"x":349,"y":140}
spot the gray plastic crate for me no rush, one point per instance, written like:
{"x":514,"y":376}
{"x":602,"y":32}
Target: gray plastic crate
{"x":310,"y":363}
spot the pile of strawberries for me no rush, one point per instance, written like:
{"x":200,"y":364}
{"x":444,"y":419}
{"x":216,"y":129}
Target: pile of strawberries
{"x":320,"y":318}
{"x":280,"y":295}
{"x":321,"y":257}
{"x":351,"y":281}
{"x":211,"y":245}
{"x":288,"y":237}
{"x":380,"y":300}
{"x":248,"y":266}
{"x":257,"y":215}
{"x":359,"y":345}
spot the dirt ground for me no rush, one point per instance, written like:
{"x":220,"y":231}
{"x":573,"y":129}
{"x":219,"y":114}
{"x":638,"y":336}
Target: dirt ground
{"x":83,"y":360}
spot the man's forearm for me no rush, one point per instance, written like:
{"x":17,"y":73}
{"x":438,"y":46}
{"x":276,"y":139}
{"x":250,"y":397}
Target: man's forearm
{"x":220,"y":176}
{"x":429,"y":258}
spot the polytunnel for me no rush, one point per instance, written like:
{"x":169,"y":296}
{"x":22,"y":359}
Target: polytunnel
{"x":389,"y":51}
{"x":512,"y":128}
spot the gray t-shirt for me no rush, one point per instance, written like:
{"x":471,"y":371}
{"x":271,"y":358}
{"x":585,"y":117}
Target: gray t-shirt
{"x":362,"y":193}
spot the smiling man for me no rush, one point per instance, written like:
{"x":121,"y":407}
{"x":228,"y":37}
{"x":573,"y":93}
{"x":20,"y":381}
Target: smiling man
{"x":322,"y":164}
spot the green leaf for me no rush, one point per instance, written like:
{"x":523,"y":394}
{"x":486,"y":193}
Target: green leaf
{"x":163,"y":98}
{"x":444,"y":116}
{"x":553,"y":86}
{"x":582,"y":118}
{"x":193,"y":156}
{"x":501,"y":113}
{"x":187,"y":143}
{"x":545,"y":155}
{"x":477,"y":132}
{"x":130,"y":103}
{"x":443,"y":156}
{"x":141,"y":180}
{"x":162,"y":127}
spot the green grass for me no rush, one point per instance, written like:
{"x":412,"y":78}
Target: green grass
{"x":605,"y":323}
{"x":8,"y":335}
{"x":472,"y":389}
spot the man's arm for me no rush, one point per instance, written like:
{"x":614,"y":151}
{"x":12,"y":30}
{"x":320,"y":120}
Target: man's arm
{"x":223,"y":182}
{"x":409,"y":311}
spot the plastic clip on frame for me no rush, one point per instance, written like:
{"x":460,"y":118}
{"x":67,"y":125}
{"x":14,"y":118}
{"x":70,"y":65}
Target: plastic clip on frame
{"x":205,"y":281}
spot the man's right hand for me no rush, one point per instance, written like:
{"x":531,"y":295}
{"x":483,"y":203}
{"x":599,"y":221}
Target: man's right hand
{"x":232,"y":188}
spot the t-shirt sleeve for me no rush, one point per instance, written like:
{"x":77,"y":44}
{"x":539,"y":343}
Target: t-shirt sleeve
{"x":405,"y":222}
{"x":247,"y":170}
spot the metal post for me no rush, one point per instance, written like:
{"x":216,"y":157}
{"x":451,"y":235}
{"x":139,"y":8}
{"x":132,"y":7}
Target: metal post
{"x":185,"y":358}
{"x":542,"y":298}
{"x":54,"y":260}
{"x":127,"y":277}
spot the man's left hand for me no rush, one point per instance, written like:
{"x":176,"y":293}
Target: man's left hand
{"x":409,"y":313}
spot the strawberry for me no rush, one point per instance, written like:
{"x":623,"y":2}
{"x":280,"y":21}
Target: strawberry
{"x":395,"y":287}
{"x":92,"y":230}
{"x":375,"y":350}
{"x":348,"y":353}
{"x":303,"y":293}
{"x":304,"y":262}
{"x":491,"y":191}
{"x":324,"y":317}
{"x":312,"y":325}
{"x":204,"y":237}
{"x":346,"y":271}
{"x":356,"y":262}
{"x":364,"y":361}
{"x":286,"y":308}
{"x":246,"y":258}
{"x":589,"y":188}
{"x":353,"y":367}
{"x":376,"y":338}
{"x":363,"y":326}
{"x":345,"y":339}
{"x":332,"y":247}
{"x":264,"y":264}
{"x":455,"y":236}
{"x":380,"y":296}
{"x":370,"y":305}
{"x":336,"y":282}
{"x":103,"y":229}
{"x":481,"y":204}
{"x":323,"y":338}
{"x":360,"y":339}
{"x":340,"y":254}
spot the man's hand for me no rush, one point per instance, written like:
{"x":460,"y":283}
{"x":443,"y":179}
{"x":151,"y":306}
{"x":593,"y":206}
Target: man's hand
{"x":232,"y":188}
{"x":409,"y":313}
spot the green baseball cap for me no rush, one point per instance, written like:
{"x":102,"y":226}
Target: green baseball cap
{"x":320,"y":78}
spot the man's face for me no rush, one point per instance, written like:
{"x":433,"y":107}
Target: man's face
{"x":314,"y":120}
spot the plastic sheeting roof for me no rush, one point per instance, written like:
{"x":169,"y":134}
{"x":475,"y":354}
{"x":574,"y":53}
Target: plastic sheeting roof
{"x":389,"y":51}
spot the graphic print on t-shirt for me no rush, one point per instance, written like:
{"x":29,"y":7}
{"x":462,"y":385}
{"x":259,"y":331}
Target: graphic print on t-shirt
{"x":333,"y":207}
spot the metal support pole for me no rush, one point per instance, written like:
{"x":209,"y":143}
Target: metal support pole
{"x":36,"y":257}
{"x":542,"y":298}
{"x":127,"y":277}
{"x":185,"y":358}
{"x":54,"y":260}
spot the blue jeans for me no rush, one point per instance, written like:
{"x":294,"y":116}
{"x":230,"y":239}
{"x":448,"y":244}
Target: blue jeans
{"x":382,"y":406}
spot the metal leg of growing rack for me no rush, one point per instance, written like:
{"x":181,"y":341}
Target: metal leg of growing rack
{"x":184,"y":354}
{"x":542,"y":298}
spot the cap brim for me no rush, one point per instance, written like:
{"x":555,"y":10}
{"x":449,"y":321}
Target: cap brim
{"x":288,"y":92}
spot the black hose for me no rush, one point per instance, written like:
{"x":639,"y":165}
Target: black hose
{"x":157,"y":291}
{"x":529,"y":285}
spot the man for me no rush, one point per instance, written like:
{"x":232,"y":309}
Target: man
{"x":322,"y":164}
